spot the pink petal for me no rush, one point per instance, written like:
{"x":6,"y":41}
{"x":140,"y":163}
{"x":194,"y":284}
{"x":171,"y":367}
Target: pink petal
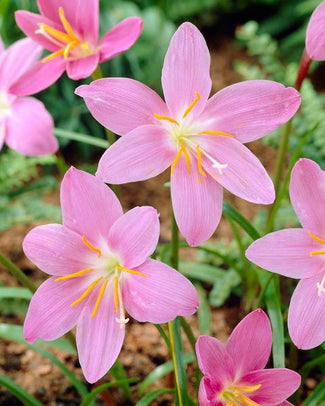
{"x":287,"y":252}
{"x":315,"y":35}
{"x":307,"y":194}
{"x":307,"y":314}
{"x":250,"y":342}
{"x":186,"y":71}
{"x":251,"y":109}
{"x":143,"y":153}
{"x":214,"y":360}
{"x":160,"y":296}
{"x":276,"y":385}
{"x":56,"y":250}
{"x":30,"y":128}
{"x":16,"y":60}
{"x":244,"y":176}
{"x":82,"y":68}
{"x":134,"y":236}
{"x":120,"y":38}
{"x":208,"y":393}
{"x":39,"y":77}
{"x":89,"y":207}
{"x":197,"y":203}
{"x":49,"y":314}
{"x":122,"y":104}
{"x":99,"y":338}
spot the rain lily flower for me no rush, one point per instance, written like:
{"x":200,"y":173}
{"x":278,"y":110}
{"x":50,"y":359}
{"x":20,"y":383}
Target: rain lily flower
{"x":100,"y":267}
{"x":234,"y":373}
{"x":69,"y":30}
{"x":25,"y":124}
{"x":315,"y":36}
{"x":299,"y":253}
{"x":200,"y":139}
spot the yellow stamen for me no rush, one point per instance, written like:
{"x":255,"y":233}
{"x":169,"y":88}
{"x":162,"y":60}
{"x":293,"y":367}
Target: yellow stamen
{"x":197,"y":98}
{"x":101,"y":293}
{"x":247,"y":389}
{"x":216,"y":132}
{"x":85,"y":46}
{"x":61,"y":36}
{"x":187,"y":157}
{"x":66,"y":25}
{"x":90,"y":288}
{"x":199,"y":161}
{"x":246,"y":401}
{"x":116,"y":293}
{"x":316,"y":253}
{"x":73,"y":275}
{"x":91,"y":247}
{"x":179,"y":153}
{"x":166,"y":118}
{"x":68,"y":48}
{"x":131,"y":271}
{"x":53,"y":55}
{"x":314,"y":237}
{"x":231,"y":403}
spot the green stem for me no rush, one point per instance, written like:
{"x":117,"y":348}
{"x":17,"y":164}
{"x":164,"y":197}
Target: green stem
{"x":164,"y":336}
{"x":174,"y":244}
{"x":188,"y":332}
{"x":61,"y":164}
{"x":86,"y":139}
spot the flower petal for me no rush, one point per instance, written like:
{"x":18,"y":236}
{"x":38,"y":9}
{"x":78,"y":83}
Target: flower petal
{"x":121,"y":104}
{"x":208,"y":392}
{"x":214,"y":360}
{"x":244,"y":175}
{"x":120,"y":38}
{"x":287,"y":252}
{"x":99,"y":338}
{"x":30,"y":128}
{"x":307,"y":314}
{"x":49,"y":314}
{"x":134,"y":236}
{"x":141,"y":154}
{"x":89,"y":207}
{"x":251,"y":109}
{"x":83,"y":67}
{"x":186,"y":71}
{"x":315,"y":35}
{"x":276,"y":385}
{"x":250,"y":342}
{"x":16,"y":60}
{"x":307,"y":194}
{"x":56,"y":250}
{"x":160,"y":296}
{"x":197,"y":203}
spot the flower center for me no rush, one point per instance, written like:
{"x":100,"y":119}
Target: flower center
{"x":181,"y":132}
{"x":237,"y":395}
{"x":320,"y":285}
{"x":67,"y":41}
{"x":108,"y":268}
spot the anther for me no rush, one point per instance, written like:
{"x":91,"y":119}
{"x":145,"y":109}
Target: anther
{"x":100,"y":296}
{"x":86,"y":293}
{"x":217,"y":133}
{"x":160,"y":117}
{"x":199,"y":161}
{"x":91,"y":247}
{"x":190,"y":107}
{"x":74,"y":275}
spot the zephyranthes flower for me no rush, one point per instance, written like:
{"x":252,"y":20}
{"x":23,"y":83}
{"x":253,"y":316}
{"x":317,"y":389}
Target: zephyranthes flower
{"x":234,"y":373}
{"x":300,"y":253}
{"x":25,"y":124}
{"x":315,"y":36}
{"x":69,"y":30}
{"x":100,"y":267}
{"x":200,"y":139}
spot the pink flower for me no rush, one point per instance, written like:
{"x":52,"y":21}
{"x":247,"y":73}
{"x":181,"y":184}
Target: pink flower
{"x":315,"y":36}
{"x":100,"y":267}
{"x":25,"y":124}
{"x":298,"y":253}
{"x":69,"y":30}
{"x":200,"y":139}
{"x":234,"y":372}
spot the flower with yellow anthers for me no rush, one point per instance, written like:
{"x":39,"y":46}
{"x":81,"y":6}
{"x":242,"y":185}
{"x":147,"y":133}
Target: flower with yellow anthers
{"x":100,"y":267}
{"x":200,"y":139}
{"x":234,"y":373}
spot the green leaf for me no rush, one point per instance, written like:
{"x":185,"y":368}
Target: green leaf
{"x":119,"y":374}
{"x":15,"y":293}
{"x":87,"y":139}
{"x":147,"y":399}
{"x":241,"y":220}
{"x":19,"y":392}
{"x":203,"y":313}
{"x":317,"y":397}
{"x":223,"y":286}
{"x":201,"y":272}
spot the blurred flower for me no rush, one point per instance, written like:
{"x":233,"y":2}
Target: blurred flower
{"x":25,"y":124}
{"x":200,"y":139}
{"x":234,"y":372}
{"x":100,"y":267}
{"x":69,"y":29}
{"x":315,"y":36}
{"x":298,"y":253}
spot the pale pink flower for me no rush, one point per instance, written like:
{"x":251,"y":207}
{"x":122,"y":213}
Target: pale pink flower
{"x":25,"y":124}
{"x":299,"y":253}
{"x":200,"y":139}
{"x":315,"y":36}
{"x":69,"y":30}
{"x":100,"y":267}
{"x":234,"y":372}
